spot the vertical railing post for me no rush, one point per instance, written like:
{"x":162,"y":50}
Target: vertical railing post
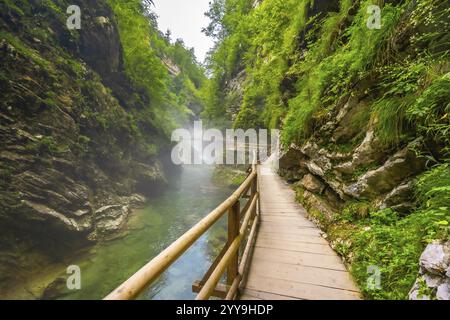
{"x":233,"y":231}
{"x":254,"y":190}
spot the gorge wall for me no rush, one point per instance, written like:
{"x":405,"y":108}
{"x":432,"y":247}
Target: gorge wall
{"x":81,"y":142}
{"x":363,"y":111}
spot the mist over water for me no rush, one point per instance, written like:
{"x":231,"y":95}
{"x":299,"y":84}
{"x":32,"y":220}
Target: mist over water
{"x":152,"y":229}
{"x":189,"y":197}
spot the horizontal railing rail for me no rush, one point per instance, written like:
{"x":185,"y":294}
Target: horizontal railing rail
{"x":241,"y":223}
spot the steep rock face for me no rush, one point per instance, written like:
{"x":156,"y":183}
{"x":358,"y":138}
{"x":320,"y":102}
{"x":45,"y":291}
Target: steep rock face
{"x":313,"y":184}
{"x":234,"y":90}
{"x":365,"y":170}
{"x":395,"y":170}
{"x":355,"y":106}
{"x":70,"y":158}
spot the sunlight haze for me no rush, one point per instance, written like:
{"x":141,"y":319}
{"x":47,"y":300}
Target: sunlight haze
{"x":185,"y":19}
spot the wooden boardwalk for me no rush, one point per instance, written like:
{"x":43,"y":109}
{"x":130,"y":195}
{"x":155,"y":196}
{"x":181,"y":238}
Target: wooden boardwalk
{"x":290,"y":258}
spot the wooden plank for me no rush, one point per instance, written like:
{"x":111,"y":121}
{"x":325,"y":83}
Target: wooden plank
{"x":292,"y":237}
{"x":282,"y":211}
{"x":278,"y":206}
{"x":295,"y":246}
{"x":291,"y":260}
{"x":311,"y":275}
{"x":288,"y":230}
{"x":303,"y":259}
{"x":261,"y":295}
{"x":294,"y":224}
{"x":281,"y":214}
{"x":299,"y":290}
{"x":281,"y":207}
{"x":271,"y":201}
{"x":247,"y":297}
{"x":286,"y":219}
{"x":276,"y":201}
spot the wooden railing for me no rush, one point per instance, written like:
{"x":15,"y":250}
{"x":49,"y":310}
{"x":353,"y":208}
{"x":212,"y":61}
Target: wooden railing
{"x":241,"y":221}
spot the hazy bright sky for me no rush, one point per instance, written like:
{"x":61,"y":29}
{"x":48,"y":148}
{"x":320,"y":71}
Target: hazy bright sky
{"x":185,"y":18}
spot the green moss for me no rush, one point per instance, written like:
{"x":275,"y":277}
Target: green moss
{"x":238,"y":179}
{"x":425,"y":291}
{"x":359,"y":171}
{"x":50,"y":4}
{"x":11,"y":5}
{"x":26,"y":51}
{"x":51,"y":146}
{"x":356,"y":210}
{"x":229,"y":175}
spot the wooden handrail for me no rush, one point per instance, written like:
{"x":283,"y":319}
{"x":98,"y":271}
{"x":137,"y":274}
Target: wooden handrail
{"x":210,"y":285}
{"x":132,"y":287}
{"x":244,"y":262}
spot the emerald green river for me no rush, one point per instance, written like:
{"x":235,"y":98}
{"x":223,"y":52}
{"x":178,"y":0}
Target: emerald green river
{"x":151,"y":229}
{"x":104,"y":266}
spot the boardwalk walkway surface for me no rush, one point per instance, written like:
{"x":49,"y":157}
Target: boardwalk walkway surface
{"x":290,"y":259}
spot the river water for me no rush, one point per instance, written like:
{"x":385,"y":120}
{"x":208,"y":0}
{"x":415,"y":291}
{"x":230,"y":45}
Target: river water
{"x":188,"y":199}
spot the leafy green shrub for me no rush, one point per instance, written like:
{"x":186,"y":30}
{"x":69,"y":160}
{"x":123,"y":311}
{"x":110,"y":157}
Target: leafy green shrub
{"x":431,"y":112}
{"x":355,"y":211}
{"x":384,"y":217}
{"x":389,"y":117}
{"x":394,"y":244}
{"x":433,"y":188}
{"x":145,"y":49}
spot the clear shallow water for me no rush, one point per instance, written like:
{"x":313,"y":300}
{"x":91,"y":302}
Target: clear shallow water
{"x":151,"y":230}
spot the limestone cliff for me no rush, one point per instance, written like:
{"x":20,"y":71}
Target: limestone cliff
{"x":72,"y":153}
{"x":362,"y":106}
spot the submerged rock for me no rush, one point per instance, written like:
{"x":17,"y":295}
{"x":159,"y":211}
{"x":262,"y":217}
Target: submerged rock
{"x":69,"y":144}
{"x":136,"y":200}
{"x":55,"y":289}
{"x":111,"y":218}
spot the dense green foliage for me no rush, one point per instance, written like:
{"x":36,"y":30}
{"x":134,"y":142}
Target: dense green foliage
{"x":390,"y":241}
{"x":161,"y":100}
{"x":387,"y":240}
{"x":276,"y":63}
{"x":148,"y":55}
{"x":303,"y":64}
